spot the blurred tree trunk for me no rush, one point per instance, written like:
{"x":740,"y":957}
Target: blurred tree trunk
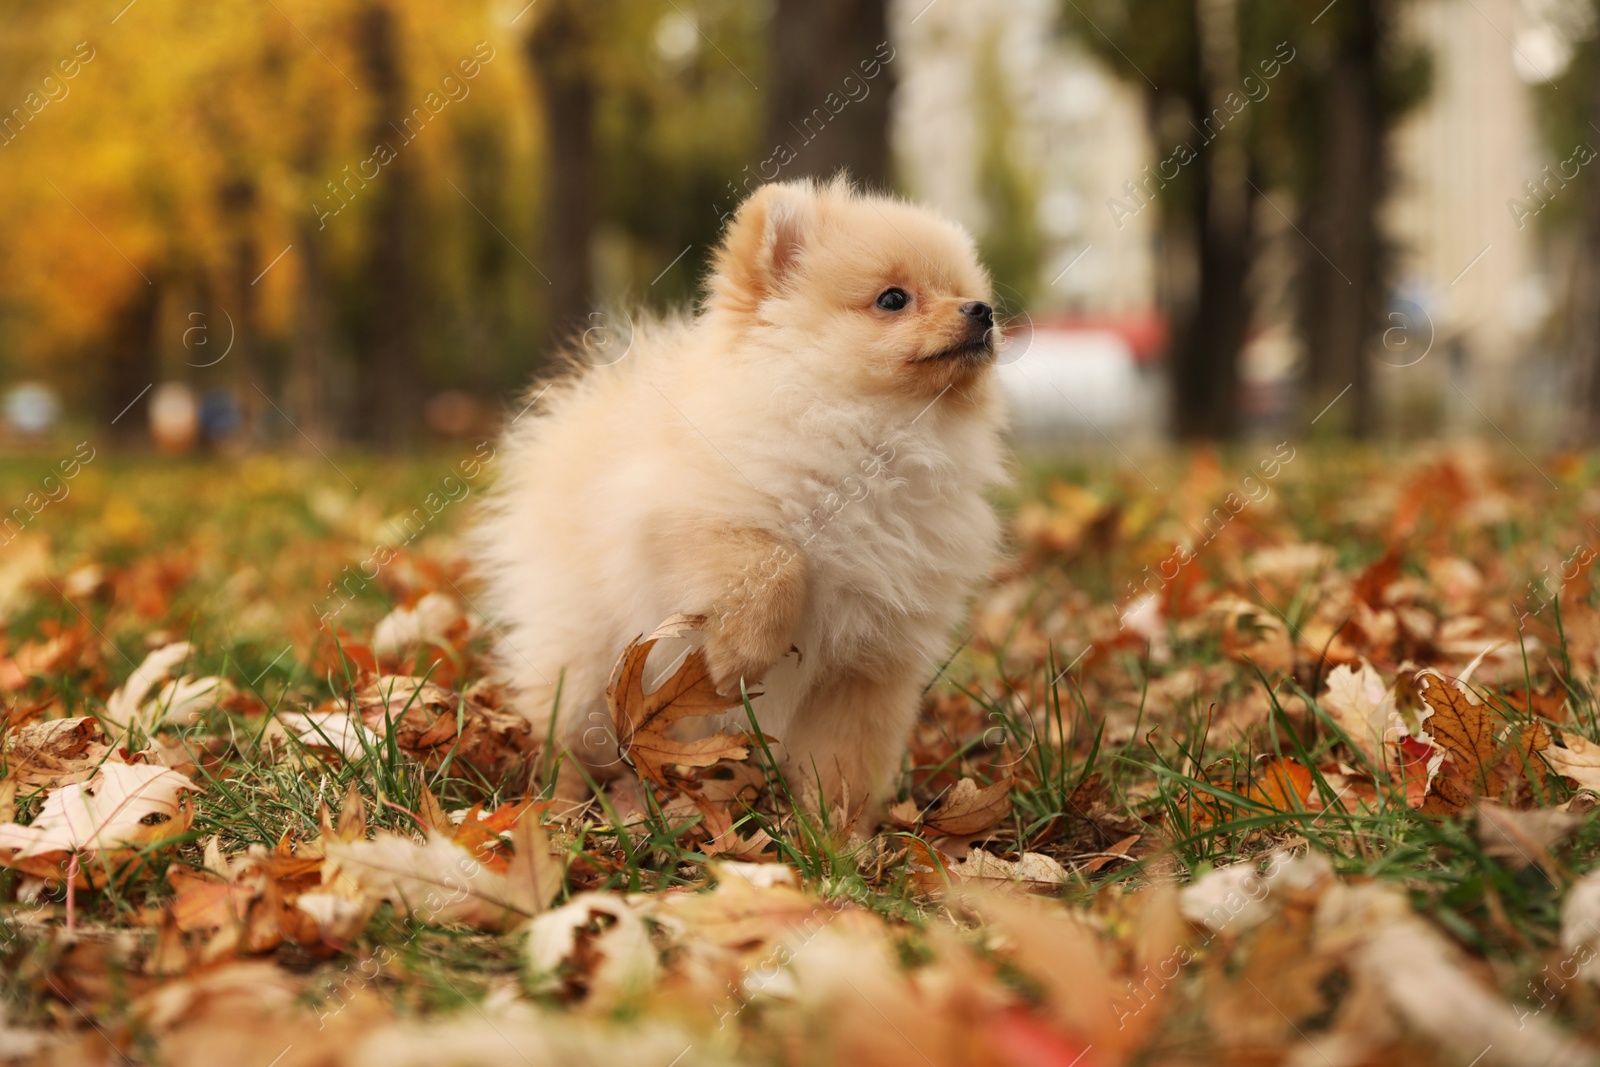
{"x":816,"y":45}
{"x":132,"y":365}
{"x":388,"y":406}
{"x":1585,"y":300}
{"x":1211,"y":330}
{"x":237,"y":202}
{"x":1207,"y":343}
{"x":558,"y":50}
{"x":308,"y":386}
{"x":1344,"y":262}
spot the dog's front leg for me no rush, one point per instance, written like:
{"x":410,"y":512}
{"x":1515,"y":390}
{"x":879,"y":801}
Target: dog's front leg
{"x":750,"y":584}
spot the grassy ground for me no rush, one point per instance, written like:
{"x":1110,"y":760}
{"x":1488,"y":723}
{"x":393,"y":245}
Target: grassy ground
{"x":1143,"y":819}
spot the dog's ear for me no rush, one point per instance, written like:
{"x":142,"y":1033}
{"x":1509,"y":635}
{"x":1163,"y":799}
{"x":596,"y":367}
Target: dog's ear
{"x":762,"y":249}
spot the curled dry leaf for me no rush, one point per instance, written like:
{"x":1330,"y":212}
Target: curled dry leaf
{"x":642,"y":720}
{"x":56,"y":752}
{"x":122,"y":808}
{"x":432,"y":620}
{"x":1032,"y":871}
{"x":618,"y":957}
{"x":254,"y":902}
{"x":474,"y":730}
{"x":1363,"y":706}
{"x":177,"y":703}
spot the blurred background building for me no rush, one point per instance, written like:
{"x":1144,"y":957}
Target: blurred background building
{"x":370,"y":221}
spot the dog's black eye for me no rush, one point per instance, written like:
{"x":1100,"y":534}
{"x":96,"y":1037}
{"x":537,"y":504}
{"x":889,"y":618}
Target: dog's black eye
{"x":893,"y":299}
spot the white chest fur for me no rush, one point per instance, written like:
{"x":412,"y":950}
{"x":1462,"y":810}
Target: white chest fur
{"x":895,"y":532}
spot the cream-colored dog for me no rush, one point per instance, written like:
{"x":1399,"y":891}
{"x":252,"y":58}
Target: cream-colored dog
{"x":804,"y":463}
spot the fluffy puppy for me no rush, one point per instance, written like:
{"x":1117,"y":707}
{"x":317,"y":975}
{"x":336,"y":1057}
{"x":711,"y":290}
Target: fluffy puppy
{"x":805,"y":463}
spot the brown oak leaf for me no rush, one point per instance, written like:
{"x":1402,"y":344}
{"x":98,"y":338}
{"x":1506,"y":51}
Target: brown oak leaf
{"x":1464,"y":730}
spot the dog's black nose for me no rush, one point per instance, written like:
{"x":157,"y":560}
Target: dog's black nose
{"x":980,"y":311}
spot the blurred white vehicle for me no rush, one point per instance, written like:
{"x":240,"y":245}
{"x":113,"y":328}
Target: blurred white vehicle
{"x":1072,"y":384}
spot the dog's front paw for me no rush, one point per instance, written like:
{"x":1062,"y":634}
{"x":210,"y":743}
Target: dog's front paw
{"x":735,"y":653}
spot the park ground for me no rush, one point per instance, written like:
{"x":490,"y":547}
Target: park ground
{"x":1274,"y":755}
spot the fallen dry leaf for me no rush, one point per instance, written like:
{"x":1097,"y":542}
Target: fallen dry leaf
{"x":1364,"y":707}
{"x":1084,"y":991}
{"x":255,"y":901}
{"x":620,"y":963}
{"x":969,"y":809}
{"x":241,"y":1012}
{"x":333,"y":731}
{"x":533,"y":1039}
{"x":1577,"y":758}
{"x":123,"y":807}
{"x":1427,"y":984}
{"x":643,"y":719}
{"x":1462,"y":728}
{"x":1580,"y":925}
{"x":439,"y":881}
{"x":1231,"y":898}
{"x":1032,"y":870}
{"x":1526,"y":740}
{"x":1283,"y":784}
{"x":1522,"y":838}
{"x":1118,"y":851}
{"x":431,"y":620}
{"x":1279,"y":784}
{"x":56,"y":752}
{"x":432,"y":724}
{"x":177,"y":703}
